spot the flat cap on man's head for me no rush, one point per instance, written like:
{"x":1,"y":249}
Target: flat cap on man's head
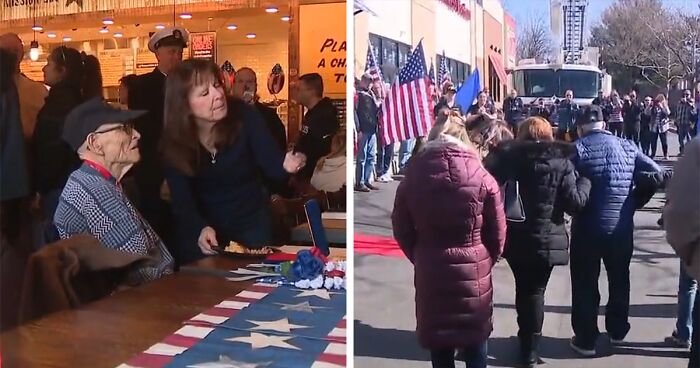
{"x":87,"y":117}
{"x":591,"y":114}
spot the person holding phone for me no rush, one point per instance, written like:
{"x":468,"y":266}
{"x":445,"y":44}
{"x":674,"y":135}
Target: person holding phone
{"x":658,"y":113}
{"x":481,"y":109}
{"x":448,"y":99}
{"x":246,"y":88}
{"x":686,"y":113}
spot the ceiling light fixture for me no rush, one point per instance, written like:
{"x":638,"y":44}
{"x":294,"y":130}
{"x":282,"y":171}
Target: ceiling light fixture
{"x":272,"y":10}
{"x":160,"y":26}
{"x":51,"y":35}
{"x":118,"y":35}
{"x":34,"y":46}
{"x":232,"y":27}
{"x":34,"y":50}
{"x":104,"y":30}
{"x":251,"y":35}
{"x":67,"y":39}
{"x":186,"y":16}
{"x":108,"y":21}
{"x":286,"y":18}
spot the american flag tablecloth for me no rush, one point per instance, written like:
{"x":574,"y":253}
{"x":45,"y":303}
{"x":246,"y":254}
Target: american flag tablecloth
{"x":263,"y":326}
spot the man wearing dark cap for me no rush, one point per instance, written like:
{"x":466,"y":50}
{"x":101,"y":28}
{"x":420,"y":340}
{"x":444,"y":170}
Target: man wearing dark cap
{"x":92,"y":201}
{"x":148,"y":94}
{"x":603,"y":231}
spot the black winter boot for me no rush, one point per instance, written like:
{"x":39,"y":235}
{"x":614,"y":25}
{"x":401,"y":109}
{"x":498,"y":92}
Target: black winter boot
{"x":529,"y":344}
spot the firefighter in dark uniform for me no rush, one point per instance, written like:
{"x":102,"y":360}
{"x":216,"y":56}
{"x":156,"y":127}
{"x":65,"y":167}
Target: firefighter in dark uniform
{"x":148,"y":94}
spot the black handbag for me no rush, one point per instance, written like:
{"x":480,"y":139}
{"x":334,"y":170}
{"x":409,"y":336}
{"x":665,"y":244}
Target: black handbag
{"x":512,"y":203}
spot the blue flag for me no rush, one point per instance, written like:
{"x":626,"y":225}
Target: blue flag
{"x":468,"y":91}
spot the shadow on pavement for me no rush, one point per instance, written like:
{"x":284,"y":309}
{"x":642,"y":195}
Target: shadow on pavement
{"x":388,"y":343}
{"x":667,"y":310}
{"x":503,"y":351}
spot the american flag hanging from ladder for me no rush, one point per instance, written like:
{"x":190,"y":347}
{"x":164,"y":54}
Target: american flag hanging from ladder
{"x":407,"y":111}
{"x":445,"y":75}
{"x":371,"y":66}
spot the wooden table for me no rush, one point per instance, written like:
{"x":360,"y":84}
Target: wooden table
{"x":110,"y":331}
{"x":335,"y":232}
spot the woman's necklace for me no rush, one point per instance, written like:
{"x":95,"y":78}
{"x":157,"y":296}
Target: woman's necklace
{"x":213,"y":156}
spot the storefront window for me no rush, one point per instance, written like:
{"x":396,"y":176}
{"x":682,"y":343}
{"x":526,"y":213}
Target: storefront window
{"x":459,"y":71}
{"x":404,"y":53}
{"x":391,"y":55}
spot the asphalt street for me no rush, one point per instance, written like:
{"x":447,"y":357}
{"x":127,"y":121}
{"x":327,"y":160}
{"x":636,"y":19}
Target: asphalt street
{"x":385,"y":314}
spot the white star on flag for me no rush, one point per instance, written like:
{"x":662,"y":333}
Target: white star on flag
{"x":226,"y":362}
{"x":281,"y":325}
{"x":260,"y":341}
{"x":301,"y":307}
{"x":321,"y":293}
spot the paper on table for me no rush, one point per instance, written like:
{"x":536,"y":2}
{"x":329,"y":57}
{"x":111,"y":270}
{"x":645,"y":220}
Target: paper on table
{"x":334,"y":216}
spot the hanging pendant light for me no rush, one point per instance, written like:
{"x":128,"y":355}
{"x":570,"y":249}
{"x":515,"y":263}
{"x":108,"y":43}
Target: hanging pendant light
{"x":34,"y":45}
{"x":34,"y":50}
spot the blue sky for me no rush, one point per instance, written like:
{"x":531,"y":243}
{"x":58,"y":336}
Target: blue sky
{"x":521,"y":10}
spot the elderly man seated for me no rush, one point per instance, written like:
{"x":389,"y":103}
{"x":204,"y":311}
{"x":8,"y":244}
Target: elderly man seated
{"x":92,"y":201}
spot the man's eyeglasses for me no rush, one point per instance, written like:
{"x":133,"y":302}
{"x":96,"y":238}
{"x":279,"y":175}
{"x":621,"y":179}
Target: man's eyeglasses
{"x":128,"y":128}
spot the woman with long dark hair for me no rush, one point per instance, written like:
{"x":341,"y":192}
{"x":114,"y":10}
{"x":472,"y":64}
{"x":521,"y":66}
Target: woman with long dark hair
{"x":213,"y":149}
{"x":549,"y":187}
{"x":74,"y":77}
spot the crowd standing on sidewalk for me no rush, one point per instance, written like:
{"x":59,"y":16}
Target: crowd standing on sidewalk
{"x":593,"y":168}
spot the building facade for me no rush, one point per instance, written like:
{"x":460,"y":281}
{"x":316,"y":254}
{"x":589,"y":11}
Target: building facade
{"x":470,"y":34}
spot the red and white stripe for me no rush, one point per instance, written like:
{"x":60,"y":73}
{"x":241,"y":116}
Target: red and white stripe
{"x":407,"y":111}
{"x":335,"y":355}
{"x":197,"y":328}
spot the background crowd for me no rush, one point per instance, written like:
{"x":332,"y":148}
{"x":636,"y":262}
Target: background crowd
{"x":544,"y":185}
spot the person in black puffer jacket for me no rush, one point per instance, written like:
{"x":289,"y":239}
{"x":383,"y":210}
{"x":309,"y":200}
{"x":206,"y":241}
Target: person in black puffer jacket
{"x":548,"y":187}
{"x":74,"y":77}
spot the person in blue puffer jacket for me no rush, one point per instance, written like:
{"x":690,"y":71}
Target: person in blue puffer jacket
{"x":604,"y":229}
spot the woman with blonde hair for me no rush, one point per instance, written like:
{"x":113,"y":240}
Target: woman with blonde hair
{"x":329,"y":175}
{"x":548,"y":187}
{"x":453,"y":240}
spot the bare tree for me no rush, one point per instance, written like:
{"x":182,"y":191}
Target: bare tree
{"x":534,"y":41}
{"x":643,"y":35}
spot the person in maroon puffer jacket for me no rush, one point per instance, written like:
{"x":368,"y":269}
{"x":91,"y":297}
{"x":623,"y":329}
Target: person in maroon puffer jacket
{"x":448,"y":219}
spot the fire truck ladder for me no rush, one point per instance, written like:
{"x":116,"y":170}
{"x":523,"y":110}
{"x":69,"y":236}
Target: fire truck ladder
{"x":574,"y":13}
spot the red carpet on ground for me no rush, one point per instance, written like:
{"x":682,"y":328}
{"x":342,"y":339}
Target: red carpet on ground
{"x":377,"y":245}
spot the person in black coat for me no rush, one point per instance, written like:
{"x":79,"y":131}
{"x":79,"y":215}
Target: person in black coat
{"x":514,"y":110}
{"x":549,"y":188}
{"x":74,"y":77}
{"x":246,"y":89}
{"x":149,"y":94}
{"x":632,"y":117}
{"x":320,"y":123}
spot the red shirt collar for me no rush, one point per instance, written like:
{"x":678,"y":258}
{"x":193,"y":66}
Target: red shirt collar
{"x":101,"y":169}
